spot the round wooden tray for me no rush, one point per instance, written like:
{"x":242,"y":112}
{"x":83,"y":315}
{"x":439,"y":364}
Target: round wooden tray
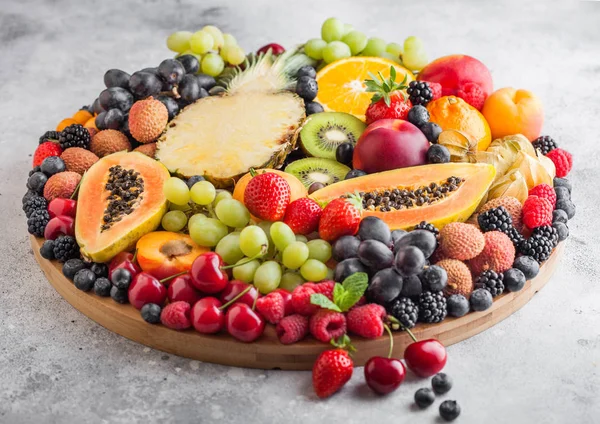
{"x":267,"y":352}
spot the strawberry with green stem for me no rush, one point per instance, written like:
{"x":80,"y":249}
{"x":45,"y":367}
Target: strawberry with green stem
{"x":333,"y":368}
{"x":390,"y":100}
{"x":341,"y":217}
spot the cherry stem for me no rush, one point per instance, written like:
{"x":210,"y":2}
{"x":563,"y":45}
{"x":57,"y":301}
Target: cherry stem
{"x":239,"y":295}
{"x":172,"y":276}
{"x":387,"y":328}
{"x":262,"y":252}
{"x":394,"y":320}
{"x":134,"y":259}
{"x":254,"y":303}
{"x":410,"y":333}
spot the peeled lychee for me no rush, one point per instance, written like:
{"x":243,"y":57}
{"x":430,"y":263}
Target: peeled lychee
{"x":147,"y":120}
{"x":497,"y":255}
{"x":461,"y":241}
{"x":61,"y":185}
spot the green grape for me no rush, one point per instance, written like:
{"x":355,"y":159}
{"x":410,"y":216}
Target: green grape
{"x":229,"y":248}
{"x":295,"y":255}
{"x":217,"y":36}
{"x":232,"y":213}
{"x":374,"y":47}
{"x":179,"y":41}
{"x":212,"y":64}
{"x":233,"y":55}
{"x":348,"y":28}
{"x":221,"y":195}
{"x":282,"y":235}
{"x":267,"y":277}
{"x":313,"y":270}
{"x":414,"y":57}
{"x":356,"y":40}
{"x":395,"y":49}
{"x":176,"y":191}
{"x":184,"y":208}
{"x":290,"y":280}
{"x":246,"y":272}
{"x":252,"y":240}
{"x":229,"y":40}
{"x":208,"y":232}
{"x":174,"y":221}
{"x":195,"y":220}
{"x":197,"y":56}
{"x":300,"y":237}
{"x":333,"y":29}
{"x":203,"y":193}
{"x":266,"y":227}
{"x":390,"y":56}
{"x":201,"y":42}
{"x":314,"y":48}
{"x":330,"y":274}
{"x":336,"y":50}
{"x":319,"y":249}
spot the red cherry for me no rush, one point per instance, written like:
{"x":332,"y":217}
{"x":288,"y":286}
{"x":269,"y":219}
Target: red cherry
{"x":384,"y":375}
{"x":60,"y":206}
{"x":287,"y":301}
{"x":58,"y":226}
{"x":243,"y":323}
{"x":426,"y":357}
{"x":234,"y":288}
{"x":206,"y":317}
{"x":277,"y":49}
{"x":146,"y":289}
{"x":182,"y":289}
{"x":124,"y":260}
{"x":207,"y":275}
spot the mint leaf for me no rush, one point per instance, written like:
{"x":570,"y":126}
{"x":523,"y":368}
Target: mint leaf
{"x":338,"y":292}
{"x":324,"y":302}
{"x":354,"y":287}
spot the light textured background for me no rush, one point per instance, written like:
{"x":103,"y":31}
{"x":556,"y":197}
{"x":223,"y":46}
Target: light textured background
{"x":56,"y":366}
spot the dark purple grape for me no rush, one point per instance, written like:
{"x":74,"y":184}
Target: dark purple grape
{"x":313,"y":107}
{"x":385,"y":286}
{"x":345,"y":247}
{"x":171,"y":71}
{"x":348,"y":267}
{"x":373,"y":228}
{"x":422,"y":239}
{"x":206,"y":81}
{"x":116,"y":98}
{"x":96,"y":106}
{"x":375,"y":255}
{"x":409,"y":260}
{"x":189,"y":89}
{"x":143,"y":84}
{"x":116,"y":78}
{"x":344,"y":152}
{"x":100,"y":121}
{"x":354,"y":174}
{"x":190,"y":63}
{"x":170,"y":104}
{"x":113,"y":119}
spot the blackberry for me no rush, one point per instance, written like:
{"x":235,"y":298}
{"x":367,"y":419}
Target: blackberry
{"x":432,"y":307}
{"x":74,"y":135}
{"x":515,"y":236}
{"x":34,"y":203}
{"x":491,"y":281}
{"x":419,"y":92}
{"x":536,"y":246}
{"x":405,"y":311}
{"x":29,"y":195}
{"x":495,"y":219}
{"x":36,"y":224}
{"x":65,"y":248}
{"x":424,"y":225}
{"x":50,"y":136}
{"x":548,"y":232}
{"x":544,"y":144}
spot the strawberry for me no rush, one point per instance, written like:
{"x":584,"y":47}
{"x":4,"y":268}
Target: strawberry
{"x":302,"y":216}
{"x":390,"y":100}
{"x":332,"y":369}
{"x":267,"y":196}
{"x":45,"y":150}
{"x":340,"y":217}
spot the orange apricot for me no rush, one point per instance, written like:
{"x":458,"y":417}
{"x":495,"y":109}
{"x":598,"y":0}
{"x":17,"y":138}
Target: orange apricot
{"x":514,"y":111}
{"x":65,"y":123}
{"x":82,"y":116}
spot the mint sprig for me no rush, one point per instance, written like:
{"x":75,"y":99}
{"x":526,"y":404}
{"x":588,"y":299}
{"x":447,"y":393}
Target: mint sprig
{"x":345,"y":295}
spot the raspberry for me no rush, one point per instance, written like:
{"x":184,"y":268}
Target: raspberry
{"x":326,"y":324}
{"x":472,"y":94}
{"x":436,"y":90}
{"x":176,"y":315}
{"x":45,"y":150}
{"x":367,"y":320}
{"x":271,"y":306}
{"x":563,"y":161}
{"x":537,"y":211}
{"x":292,"y":329}
{"x":545,"y":192}
{"x":301,"y":299}
{"x":325,"y":287}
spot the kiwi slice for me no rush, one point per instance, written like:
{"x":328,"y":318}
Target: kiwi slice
{"x":324,"y":132}
{"x":317,"y":170}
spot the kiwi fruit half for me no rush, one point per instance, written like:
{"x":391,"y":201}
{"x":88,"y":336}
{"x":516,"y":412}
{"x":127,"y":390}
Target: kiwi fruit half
{"x":317,"y":170}
{"x":323,"y":132}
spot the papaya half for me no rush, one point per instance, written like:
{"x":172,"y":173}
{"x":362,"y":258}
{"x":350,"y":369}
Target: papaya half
{"x":120,"y":200}
{"x":438,"y":194}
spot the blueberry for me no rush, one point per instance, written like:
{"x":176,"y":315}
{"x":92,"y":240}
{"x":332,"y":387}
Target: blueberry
{"x":562,"y":182}
{"x":438,"y":154}
{"x":102,"y":287}
{"x":84,"y":279}
{"x":397,"y":235}
{"x":373,"y":228}
{"x":345,"y":247}
{"x":34,"y":170}
{"x":432,"y":131}
{"x":46,"y":251}
{"x":190,"y":63}
{"x":307,"y":88}
{"x":385,"y":286}
{"x":514,"y":279}
{"x":71,"y":267}
{"x":375,"y":255}
{"x":52,"y":165}
{"x":354,"y":173}
{"x":411,"y":286}
{"x":121,"y":278}
{"x":562,"y":193}
{"x":424,"y":240}
{"x":481,"y":299}
{"x":170,"y":104}
{"x":434,"y":278}
{"x":441,"y":383}
{"x":418,"y":115}
{"x":100,"y":269}
{"x":206,"y":81}
{"x":151,"y":313}
{"x":36,"y":182}
{"x":449,"y":410}
{"x":193,"y":180}
{"x":348,"y":267}
{"x":424,"y":397}
{"x":313,"y":107}
{"x":344,"y":152}
{"x":306,"y":71}
{"x":114,"y":78}
{"x":567,"y":206}
{"x":562,"y":230}
{"x":457,"y":305}
{"x":558,"y":215}
{"x":119,"y":295}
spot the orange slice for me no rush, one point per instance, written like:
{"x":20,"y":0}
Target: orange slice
{"x":342,"y":87}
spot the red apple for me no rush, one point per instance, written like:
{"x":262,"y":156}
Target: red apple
{"x":390,"y":144}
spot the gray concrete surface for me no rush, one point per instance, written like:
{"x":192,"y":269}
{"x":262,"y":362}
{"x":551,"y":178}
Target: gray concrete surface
{"x":541,"y":365}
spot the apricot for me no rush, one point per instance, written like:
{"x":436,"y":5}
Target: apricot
{"x":65,"y":123}
{"x":82,"y":116}
{"x":514,"y":111}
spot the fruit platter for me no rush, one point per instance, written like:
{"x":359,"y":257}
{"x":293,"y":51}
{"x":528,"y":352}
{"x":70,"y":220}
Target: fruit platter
{"x":345,"y":202}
